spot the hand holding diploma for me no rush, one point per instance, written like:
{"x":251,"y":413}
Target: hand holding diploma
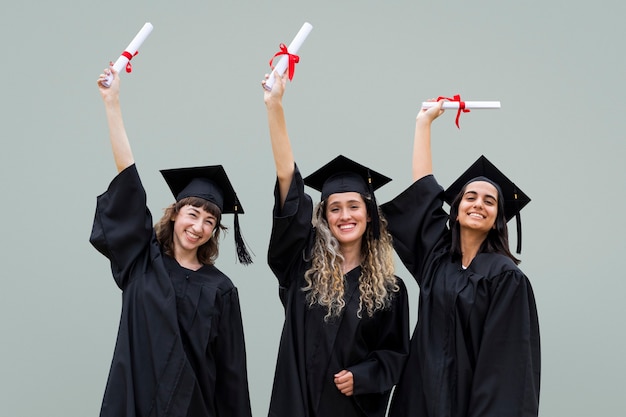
{"x":468,"y":104}
{"x":461,"y":106}
{"x":290,"y":58}
{"x":130,"y":51}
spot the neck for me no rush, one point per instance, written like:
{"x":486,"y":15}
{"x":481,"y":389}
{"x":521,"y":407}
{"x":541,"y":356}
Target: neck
{"x":470,"y":245}
{"x":351,"y":257}
{"x":187,"y":259}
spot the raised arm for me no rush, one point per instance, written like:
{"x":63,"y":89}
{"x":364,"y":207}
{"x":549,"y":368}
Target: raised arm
{"x":120,"y":145}
{"x":422,"y":157}
{"x":281,"y":146}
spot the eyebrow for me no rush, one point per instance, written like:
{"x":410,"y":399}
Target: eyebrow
{"x":347,"y":201}
{"x":197,"y":210}
{"x":476,"y":193}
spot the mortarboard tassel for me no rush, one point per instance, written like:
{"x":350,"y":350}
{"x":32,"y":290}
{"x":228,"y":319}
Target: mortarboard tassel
{"x":242,"y":251}
{"x":374,"y":208}
{"x":518,"y":221}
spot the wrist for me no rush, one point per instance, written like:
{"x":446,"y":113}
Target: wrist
{"x":274,"y":103}
{"x":422,"y":122}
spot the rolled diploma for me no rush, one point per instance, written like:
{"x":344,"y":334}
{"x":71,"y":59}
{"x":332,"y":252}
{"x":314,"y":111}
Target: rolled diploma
{"x":468,"y":104}
{"x":132,"y":47}
{"x":293,"y":48}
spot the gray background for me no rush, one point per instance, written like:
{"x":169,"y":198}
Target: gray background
{"x":194,"y":98}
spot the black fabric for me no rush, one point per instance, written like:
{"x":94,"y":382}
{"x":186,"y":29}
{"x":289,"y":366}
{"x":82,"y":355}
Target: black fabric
{"x":208,"y":182}
{"x":475,"y":350}
{"x":180,"y":345}
{"x":311,"y":351}
{"x":345,"y":175}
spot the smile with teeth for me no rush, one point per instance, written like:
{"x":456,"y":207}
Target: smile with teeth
{"x":192,"y":235}
{"x":476,"y":215}
{"x":346,"y":227}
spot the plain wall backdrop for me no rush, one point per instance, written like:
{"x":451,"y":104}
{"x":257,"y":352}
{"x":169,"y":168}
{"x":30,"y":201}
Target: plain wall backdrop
{"x":194,"y":98}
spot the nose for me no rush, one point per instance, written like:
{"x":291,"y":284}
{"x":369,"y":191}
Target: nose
{"x":196,"y":225}
{"x":344,"y":214}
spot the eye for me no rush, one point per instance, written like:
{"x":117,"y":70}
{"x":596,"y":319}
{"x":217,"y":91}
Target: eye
{"x":192,"y":214}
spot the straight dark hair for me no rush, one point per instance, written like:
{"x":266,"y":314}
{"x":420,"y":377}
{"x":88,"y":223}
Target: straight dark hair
{"x":497,"y":240}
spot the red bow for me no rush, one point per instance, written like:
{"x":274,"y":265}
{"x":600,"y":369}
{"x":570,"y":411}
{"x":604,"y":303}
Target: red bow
{"x":129,"y":68}
{"x":293,"y":59}
{"x":461,"y":106}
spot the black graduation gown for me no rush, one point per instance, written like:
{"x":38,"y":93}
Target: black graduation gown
{"x":311,"y":351}
{"x":475,"y":348}
{"x":180,"y":345}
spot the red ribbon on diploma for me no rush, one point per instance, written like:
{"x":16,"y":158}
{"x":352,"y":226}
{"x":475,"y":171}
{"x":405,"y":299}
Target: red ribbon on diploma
{"x":461,"y":106}
{"x":293,"y":59}
{"x":129,"y":67}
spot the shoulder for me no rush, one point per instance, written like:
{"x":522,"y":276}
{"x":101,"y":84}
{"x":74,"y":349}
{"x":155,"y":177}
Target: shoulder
{"x":492,"y":264}
{"x":501,"y":272}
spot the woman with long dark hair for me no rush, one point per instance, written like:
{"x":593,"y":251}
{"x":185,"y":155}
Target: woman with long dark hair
{"x":475,"y":348}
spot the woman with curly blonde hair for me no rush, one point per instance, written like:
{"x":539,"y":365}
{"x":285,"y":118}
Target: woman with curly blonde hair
{"x":345,"y":337}
{"x":325,"y":279}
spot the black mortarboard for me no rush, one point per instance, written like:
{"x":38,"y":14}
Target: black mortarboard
{"x":514,"y":199}
{"x":343,"y":175}
{"x":212,"y":184}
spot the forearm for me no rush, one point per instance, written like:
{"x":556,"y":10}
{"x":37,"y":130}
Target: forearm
{"x":422,"y":157}
{"x":281,"y":147}
{"x":120,"y":145}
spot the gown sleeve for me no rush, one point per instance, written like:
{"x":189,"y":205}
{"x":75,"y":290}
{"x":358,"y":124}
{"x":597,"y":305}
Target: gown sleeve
{"x":291,"y":230}
{"x":506,"y":379}
{"x":417,"y":222}
{"x":381,"y":370}
{"x":122,"y":226}
{"x":232,"y":395}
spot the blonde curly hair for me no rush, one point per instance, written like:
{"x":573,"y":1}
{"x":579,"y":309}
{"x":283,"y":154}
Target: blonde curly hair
{"x":325,"y":280}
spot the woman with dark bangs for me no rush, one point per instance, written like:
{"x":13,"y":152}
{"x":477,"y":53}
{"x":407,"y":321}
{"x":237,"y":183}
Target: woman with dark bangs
{"x":475,"y":349}
{"x":180,"y":347}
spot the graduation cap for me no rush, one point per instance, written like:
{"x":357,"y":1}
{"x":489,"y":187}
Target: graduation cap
{"x":342,"y":175}
{"x":514,"y":199}
{"x":212,"y":184}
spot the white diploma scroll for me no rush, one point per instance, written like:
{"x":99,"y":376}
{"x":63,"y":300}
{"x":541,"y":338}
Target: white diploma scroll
{"x":293,"y":48}
{"x":468,"y":104}
{"x":132,"y":48}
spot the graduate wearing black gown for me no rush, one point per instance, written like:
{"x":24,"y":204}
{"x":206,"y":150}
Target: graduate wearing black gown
{"x":475,"y":350}
{"x":180,"y":347}
{"x":332,"y":361}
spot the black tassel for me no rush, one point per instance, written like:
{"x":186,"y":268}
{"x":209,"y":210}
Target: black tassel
{"x":374,"y":208}
{"x":242,"y":251}
{"x":519,"y":233}
{"x":518,"y":221}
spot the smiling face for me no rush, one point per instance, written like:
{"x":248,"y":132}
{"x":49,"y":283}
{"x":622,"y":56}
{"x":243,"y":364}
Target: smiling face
{"x":346,"y":214}
{"x":193,"y":227}
{"x":478,"y":207}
